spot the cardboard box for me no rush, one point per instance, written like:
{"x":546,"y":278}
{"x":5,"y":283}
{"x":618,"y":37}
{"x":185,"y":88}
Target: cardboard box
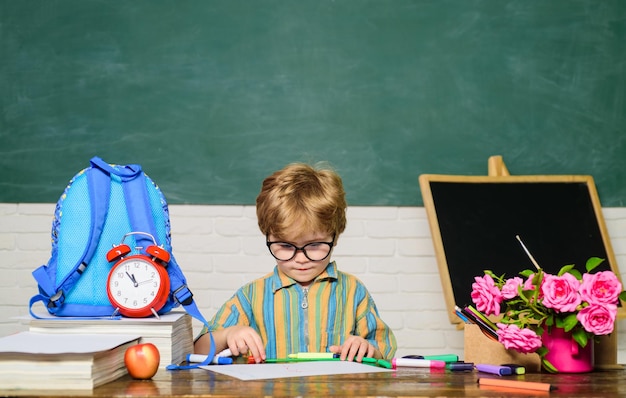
{"x":481,"y":349}
{"x":605,"y":352}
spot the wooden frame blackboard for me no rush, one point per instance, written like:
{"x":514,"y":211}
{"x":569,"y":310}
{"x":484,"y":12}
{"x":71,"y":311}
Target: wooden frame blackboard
{"x":474,"y":221}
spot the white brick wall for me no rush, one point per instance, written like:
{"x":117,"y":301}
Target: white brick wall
{"x":220,"y":248}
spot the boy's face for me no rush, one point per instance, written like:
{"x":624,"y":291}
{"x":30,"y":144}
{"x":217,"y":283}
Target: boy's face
{"x":300,"y":268}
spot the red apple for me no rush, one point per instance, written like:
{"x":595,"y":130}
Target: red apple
{"x":142,"y":360}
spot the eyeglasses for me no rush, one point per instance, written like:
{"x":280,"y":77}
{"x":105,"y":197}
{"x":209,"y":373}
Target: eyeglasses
{"x":314,"y":251}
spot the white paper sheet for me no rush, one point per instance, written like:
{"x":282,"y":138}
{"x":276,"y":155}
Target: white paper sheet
{"x":42,"y":343}
{"x":263,"y":371}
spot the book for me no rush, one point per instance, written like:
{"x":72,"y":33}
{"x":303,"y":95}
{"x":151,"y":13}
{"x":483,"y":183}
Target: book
{"x":42,"y":361}
{"x":171,"y":333}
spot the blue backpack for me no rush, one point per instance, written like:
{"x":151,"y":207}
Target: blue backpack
{"x":101,"y":206}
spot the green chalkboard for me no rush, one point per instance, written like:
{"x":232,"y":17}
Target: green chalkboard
{"x":210,"y":96}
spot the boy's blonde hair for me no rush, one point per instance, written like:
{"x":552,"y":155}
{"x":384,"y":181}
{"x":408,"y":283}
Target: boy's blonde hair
{"x":309,"y":198}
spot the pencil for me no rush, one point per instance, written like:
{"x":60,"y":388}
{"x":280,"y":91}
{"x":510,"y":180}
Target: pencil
{"x":527,"y":385}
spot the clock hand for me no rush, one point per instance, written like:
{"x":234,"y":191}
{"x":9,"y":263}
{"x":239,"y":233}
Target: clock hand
{"x":132,"y":278}
{"x":147,"y":281}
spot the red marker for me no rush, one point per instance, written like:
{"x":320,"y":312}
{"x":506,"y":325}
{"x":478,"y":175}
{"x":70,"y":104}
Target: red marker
{"x":417,"y":363}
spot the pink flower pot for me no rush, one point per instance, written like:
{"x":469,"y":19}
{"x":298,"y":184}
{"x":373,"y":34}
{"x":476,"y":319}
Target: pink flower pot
{"x":565,"y":353}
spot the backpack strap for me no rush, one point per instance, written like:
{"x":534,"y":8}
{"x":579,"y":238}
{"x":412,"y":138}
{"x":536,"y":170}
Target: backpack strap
{"x":183,"y":295}
{"x":136,"y":197}
{"x":206,"y":361}
{"x":181,"y":292}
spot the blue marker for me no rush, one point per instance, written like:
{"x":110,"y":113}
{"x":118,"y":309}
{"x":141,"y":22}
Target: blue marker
{"x":458,"y":313}
{"x":217,"y":360}
{"x":515,"y":369}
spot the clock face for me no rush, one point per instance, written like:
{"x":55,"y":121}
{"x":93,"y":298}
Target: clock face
{"x":136,"y":285}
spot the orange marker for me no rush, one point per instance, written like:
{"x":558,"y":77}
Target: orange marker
{"x":527,"y":385}
{"x":252,"y":360}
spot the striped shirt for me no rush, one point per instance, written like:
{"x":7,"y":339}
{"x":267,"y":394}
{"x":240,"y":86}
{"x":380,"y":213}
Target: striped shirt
{"x":290,"y":318}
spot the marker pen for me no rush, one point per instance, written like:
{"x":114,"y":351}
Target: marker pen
{"x":217,"y":360}
{"x":280,"y":360}
{"x":515,"y":369}
{"x":482,"y":317}
{"x":321,"y":356}
{"x":484,"y":327}
{"x":442,"y":357}
{"x":460,"y":314}
{"x":417,"y":363}
{"x":312,"y":355}
{"x":494,"y":369}
{"x":460,"y":366}
{"x":365,"y":360}
{"x":225,"y":353}
{"x":527,"y":385}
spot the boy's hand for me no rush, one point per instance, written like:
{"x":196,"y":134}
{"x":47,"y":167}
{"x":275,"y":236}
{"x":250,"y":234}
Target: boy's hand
{"x":244,"y":340}
{"x":355,"y":347}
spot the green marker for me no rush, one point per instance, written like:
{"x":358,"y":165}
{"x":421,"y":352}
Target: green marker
{"x":366,"y":360}
{"x":447,"y":358}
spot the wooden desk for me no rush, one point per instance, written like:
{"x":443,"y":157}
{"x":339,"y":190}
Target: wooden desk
{"x":403,"y":382}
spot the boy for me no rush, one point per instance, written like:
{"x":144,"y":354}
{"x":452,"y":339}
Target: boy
{"x":305,"y":304}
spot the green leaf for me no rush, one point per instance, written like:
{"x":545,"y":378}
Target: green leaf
{"x":569,"y":322}
{"x":541,"y":351}
{"x":622,"y":295}
{"x":576,"y":274}
{"x":581,"y":337}
{"x":526,"y":294}
{"x":593,"y":262}
{"x":499,"y":280}
{"x":526,"y":273}
{"x":548,"y":366}
{"x":550,"y":320}
{"x":564,"y":269}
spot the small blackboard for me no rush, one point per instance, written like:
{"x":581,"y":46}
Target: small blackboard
{"x":474,"y":222}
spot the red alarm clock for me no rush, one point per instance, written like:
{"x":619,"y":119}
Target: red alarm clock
{"x":138,"y":285}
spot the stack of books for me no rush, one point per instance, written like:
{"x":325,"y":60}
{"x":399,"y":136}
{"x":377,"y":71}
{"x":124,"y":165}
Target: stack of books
{"x":171,"y":333}
{"x":41,"y":361}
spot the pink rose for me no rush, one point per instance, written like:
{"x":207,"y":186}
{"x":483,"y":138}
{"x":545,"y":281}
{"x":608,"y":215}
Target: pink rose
{"x":486,"y":295}
{"x":509,"y":290}
{"x":521,"y":340}
{"x":528,"y":283}
{"x":561,"y":292}
{"x":600,"y":288}
{"x":598,"y":319}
